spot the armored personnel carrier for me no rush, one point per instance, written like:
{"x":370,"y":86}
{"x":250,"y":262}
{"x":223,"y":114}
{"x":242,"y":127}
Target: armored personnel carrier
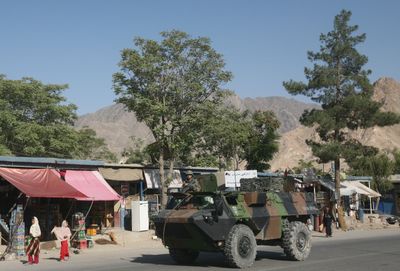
{"x":234,"y":223}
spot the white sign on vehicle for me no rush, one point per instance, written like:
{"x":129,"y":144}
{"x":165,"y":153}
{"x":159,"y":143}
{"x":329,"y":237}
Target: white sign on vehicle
{"x":232,"y":178}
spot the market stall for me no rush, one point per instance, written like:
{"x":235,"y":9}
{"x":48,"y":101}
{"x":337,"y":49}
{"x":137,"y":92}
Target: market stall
{"x":49,"y":193}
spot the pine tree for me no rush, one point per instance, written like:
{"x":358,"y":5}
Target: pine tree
{"x":340,"y":84}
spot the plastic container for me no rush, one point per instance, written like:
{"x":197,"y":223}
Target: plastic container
{"x":361,"y":215}
{"x":81,"y":235}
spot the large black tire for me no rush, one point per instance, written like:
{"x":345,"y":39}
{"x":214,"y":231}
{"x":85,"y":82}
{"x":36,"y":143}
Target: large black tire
{"x":183,"y":256}
{"x":240,"y":247}
{"x":296,"y":241}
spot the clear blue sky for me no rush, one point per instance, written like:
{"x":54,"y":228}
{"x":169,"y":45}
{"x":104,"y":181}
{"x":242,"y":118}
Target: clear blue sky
{"x":263,"y":42}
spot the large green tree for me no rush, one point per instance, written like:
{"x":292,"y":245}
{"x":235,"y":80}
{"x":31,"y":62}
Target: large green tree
{"x":166,"y":83}
{"x":36,"y":120}
{"x":224,"y":133}
{"x":89,"y":146}
{"x":236,"y":137}
{"x":396,"y":156}
{"x":136,"y":153}
{"x":340,"y":84}
{"x":263,"y":140}
{"x":378,"y":166}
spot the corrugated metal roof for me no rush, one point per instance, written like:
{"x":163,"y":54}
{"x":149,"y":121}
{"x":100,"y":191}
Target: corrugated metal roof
{"x":43,"y":162}
{"x":359,"y":178}
{"x":113,"y":165}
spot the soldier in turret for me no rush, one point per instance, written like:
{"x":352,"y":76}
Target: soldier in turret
{"x":190,"y":183}
{"x":189,"y":178}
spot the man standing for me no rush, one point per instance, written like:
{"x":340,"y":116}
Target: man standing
{"x":327,"y":220}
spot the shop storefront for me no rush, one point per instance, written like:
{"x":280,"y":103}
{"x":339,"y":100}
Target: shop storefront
{"x":128,"y":181}
{"x":52,"y":195}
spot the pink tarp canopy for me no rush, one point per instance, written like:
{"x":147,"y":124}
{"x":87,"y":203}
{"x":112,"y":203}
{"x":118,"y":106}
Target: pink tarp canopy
{"x":92,"y":184}
{"x":40,"y":183}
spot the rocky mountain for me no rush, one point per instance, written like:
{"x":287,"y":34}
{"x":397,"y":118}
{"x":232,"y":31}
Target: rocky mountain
{"x":116,"y":125}
{"x":288,"y":111}
{"x":292,"y":144}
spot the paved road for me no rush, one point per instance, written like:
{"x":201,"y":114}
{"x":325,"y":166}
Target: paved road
{"x":381,"y":252}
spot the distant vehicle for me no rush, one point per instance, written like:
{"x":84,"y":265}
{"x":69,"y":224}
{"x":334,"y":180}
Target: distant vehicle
{"x":234,"y":223}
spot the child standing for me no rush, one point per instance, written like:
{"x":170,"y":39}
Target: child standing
{"x":63,"y":234}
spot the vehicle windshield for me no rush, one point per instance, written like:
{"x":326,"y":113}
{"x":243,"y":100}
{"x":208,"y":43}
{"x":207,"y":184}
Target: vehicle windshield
{"x":192,"y":202}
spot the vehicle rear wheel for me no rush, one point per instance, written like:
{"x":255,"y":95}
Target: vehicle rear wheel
{"x":296,"y":241}
{"x":183,"y":256}
{"x":240,"y":247}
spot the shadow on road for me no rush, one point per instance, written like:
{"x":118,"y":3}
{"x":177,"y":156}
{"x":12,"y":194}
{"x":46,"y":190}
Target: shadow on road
{"x":53,"y":258}
{"x":205,"y":259}
{"x":271,"y":255}
{"x":319,"y":236}
{"x":163,"y":259}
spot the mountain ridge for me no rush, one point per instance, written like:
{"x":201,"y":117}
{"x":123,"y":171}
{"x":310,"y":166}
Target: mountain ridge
{"x":292,"y":146}
{"x":116,"y":125}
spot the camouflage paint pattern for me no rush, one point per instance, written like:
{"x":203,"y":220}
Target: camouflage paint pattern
{"x":192,"y":227}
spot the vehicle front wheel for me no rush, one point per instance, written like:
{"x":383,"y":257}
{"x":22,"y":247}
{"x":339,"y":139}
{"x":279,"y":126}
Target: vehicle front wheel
{"x":183,"y":256}
{"x":240,"y":247}
{"x":296,"y":241}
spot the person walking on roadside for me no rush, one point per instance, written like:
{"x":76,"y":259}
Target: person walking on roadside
{"x":33,"y":248}
{"x":63,"y":234}
{"x":327,"y":220}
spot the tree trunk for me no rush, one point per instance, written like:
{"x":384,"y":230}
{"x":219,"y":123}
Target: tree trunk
{"x":337,"y":180}
{"x":342,"y":222}
{"x":162,"y":180}
{"x":170,"y":176}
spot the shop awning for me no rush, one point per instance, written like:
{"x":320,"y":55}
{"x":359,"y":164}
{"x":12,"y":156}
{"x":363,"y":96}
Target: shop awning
{"x":152,"y":177}
{"x":328,"y":184}
{"x":40,"y":183}
{"x":91,"y":184}
{"x":359,"y":188}
{"x":122,"y":174}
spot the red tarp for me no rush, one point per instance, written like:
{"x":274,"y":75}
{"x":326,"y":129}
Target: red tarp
{"x":40,"y":183}
{"x":92,"y":184}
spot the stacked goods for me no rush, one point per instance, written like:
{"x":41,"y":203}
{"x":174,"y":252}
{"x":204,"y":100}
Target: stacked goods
{"x":91,"y":231}
{"x":81,"y":235}
{"x":80,"y":240}
{"x":17,"y":231}
{"x":262,"y":184}
{"x":79,"y":228}
{"x":19,"y":239}
{"x":90,"y":243}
